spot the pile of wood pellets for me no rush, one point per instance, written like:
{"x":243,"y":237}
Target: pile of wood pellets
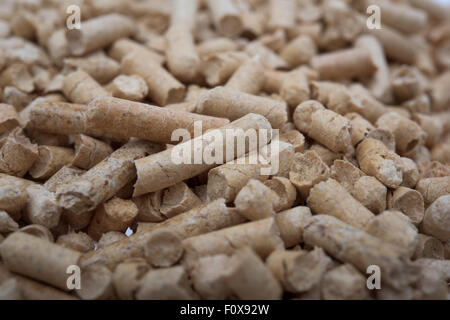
{"x":93,"y":205}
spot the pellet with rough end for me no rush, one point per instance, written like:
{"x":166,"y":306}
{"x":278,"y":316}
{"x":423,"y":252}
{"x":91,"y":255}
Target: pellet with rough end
{"x":17,"y":153}
{"x":89,"y":151}
{"x":285,"y":190}
{"x":375,"y":159}
{"x":249,"y":278}
{"x":433,"y":188}
{"x":129,"y":87}
{"x":80,"y":87}
{"x":78,"y":241}
{"x":299,"y":51}
{"x":306,"y":171}
{"x":298,"y":271}
{"x":217,"y":68}
{"x":256,"y":201}
{"x":50,"y":160}
{"x":395,"y":228}
{"x":41,"y":207}
{"x":409,"y":202}
{"x":113,"y":215}
{"x":330,"y":198}
{"x":344,"y":283}
{"x":178,"y":199}
{"x":39,"y":231}
{"x":109,"y":238}
{"x":13,"y":195}
{"x":226,"y":17}
{"x":165,"y":284}
{"x":99,"y":66}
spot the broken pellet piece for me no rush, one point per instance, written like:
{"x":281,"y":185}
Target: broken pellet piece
{"x":256,"y":201}
{"x":50,"y":160}
{"x":344,"y":282}
{"x":129,"y":87}
{"x":249,"y":278}
{"x":217,"y":68}
{"x":163,"y":248}
{"x":38,"y":259}
{"x":89,"y":151}
{"x":307,"y":170}
{"x":127,"y":277}
{"x":178,"y":199}
{"x":80,"y":87}
{"x":78,"y":241}
{"x":209,"y":277}
{"x":409,"y":202}
{"x":375,"y":159}
{"x":17,"y":153}
{"x":285,"y":190}
{"x":298,"y":271}
{"x":165,"y":284}
{"x":113,"y":215}
{"x":396,"y":229}
{"x":13,"y":195}
{"x":291,"y":224}
{"x":41,"y":207}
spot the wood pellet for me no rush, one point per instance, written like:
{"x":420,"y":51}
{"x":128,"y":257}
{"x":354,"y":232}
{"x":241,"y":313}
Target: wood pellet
{"x":225,"y":150}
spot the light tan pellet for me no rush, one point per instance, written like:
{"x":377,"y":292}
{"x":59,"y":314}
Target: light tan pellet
{"x":436,"y":221}
{"x":163,"y":248}
{"x":17,"y":153}
{"x":324,"y":126}
{"x":80,"y":87}
{"x":109,"y":238}
{"x":298,"y":271}
{"x":98,"y":33}
{"x":41,"y":207}
{"x":249,"y":77}
{"x":113,"y":215}
{"x":9,"y":118}
{"x":233,"y":104}
{"x":263,"y":236}
{"x":97,"y":283}
{"x":409,"y":202}
{"x":13,"y":195}
{"x":344,"y":283}
{"x":291,"y":224}
{"x":433,"y":188}
{"x":129,"y":87}
{"x":299,"y":51}
{"x":165,"y":284}
{"x":50,"y":160}
{"x":178,"y":199}
{"x":39,"y":231}
{"x":249,"y":278}
{"x":78,"y":241}
{"x":287,"y":194}
{"x":127,"y":277}
{"x":7,"y":224}
{"x":226,"y":17}
{"x":49,"y":261}
{"x":428,"y":247}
